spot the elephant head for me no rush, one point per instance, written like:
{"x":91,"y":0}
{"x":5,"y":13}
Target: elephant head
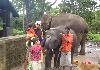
{"x":46,"y":21}
{"x":52,"y":40}
{"x":54,"y":37}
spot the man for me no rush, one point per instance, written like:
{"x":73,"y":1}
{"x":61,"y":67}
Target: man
{"x":67,"y":40}
{"x":39,"y":31}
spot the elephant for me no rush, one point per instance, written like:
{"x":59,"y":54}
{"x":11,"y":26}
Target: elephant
{"x":72,"y":21}
{"x":53,"y":43}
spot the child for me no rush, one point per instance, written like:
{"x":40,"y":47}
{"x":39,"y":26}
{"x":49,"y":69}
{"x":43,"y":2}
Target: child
{"x":65,"y":49}
{"x":36,"y":55}
{"x":30,"y":31}
{"x":30,"y":35}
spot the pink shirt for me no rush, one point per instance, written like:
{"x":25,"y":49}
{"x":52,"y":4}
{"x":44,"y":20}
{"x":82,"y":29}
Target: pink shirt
{"x":36,"y":52}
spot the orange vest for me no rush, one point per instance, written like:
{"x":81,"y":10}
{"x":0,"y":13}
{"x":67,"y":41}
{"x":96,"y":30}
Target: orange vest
{"x":67,"y":40}
{"x":30,"y":32}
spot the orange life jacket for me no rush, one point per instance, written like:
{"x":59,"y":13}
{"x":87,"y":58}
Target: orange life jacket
{"x":30,"y":32}
{"x":67,"y":40}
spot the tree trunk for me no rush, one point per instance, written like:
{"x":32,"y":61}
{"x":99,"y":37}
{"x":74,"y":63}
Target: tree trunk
{"x":27,"y":7}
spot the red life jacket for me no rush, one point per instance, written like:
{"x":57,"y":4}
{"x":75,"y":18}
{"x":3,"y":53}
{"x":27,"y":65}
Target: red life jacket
{"x":66,"y":45}
{"x":31,"y":32}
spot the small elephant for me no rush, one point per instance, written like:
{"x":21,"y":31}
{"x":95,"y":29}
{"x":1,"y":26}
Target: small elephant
{"x":53,"y":43}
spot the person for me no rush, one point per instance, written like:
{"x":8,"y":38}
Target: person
{"x":30,"y":31}
{"x":65,"y":49}
{"x":36,"y":55}
{"x":39,"y":31}
{"x":30,"y":34}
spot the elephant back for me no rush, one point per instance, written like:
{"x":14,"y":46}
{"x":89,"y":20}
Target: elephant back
{"x":73,"y":21}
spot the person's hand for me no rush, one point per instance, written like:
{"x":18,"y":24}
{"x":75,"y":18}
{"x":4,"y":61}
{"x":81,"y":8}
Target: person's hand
{"x":40,"y":61}
{"x":28,"y":37}
{"x":60,"y":48}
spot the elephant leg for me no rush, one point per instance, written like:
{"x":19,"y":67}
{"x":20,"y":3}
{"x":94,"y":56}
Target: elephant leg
{"x":57,"y":58}
{"x":75,"y":50}
{"x":75,"y":46}
{"x":48,"y":59}
{"x":72,"y":55}
{"x":82,"y":43}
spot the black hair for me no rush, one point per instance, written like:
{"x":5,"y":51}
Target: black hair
{"x":34,"y":40}
{"x":28,"y":26}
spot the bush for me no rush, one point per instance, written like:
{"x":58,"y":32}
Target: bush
{"x":17,"y":32}
{"x":93,"y":37}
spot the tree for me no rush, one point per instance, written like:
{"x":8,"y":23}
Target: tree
{"x":54,"y":11}
{"x":84,"y":8}
{"x":18,"y":5}
{"x":95,"y":26}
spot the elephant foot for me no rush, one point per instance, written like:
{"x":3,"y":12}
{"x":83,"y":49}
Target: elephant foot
{"x":56,"y":68}
{"x":47,"y":68}
{"x":82,"y":53}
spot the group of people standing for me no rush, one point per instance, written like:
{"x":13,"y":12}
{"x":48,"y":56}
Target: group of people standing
{"x":35,"y":37}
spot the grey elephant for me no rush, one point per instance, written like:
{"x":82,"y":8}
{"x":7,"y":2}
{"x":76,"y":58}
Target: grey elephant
{"x":72,"y":21}
{"x":53,"y":43}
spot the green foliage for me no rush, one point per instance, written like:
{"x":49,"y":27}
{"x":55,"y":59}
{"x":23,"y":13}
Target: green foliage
{"x":35,"y":8}
{"x":18,"y":5}
{"x":17,"y":32}
{"x":83,"y":8}
{"x":18,"y":23}
{"x":54,"y":12}
{"x":1,"y":26}
{"x":95,"y":26}
{"x":93,"y":37}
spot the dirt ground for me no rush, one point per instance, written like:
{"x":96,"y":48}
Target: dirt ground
{"x":92,"y":54}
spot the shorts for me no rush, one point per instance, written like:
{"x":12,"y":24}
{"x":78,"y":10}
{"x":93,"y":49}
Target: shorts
{"x":65,"y":59}
{"x":36,"y":65}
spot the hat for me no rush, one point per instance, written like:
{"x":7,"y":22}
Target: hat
{"x":38,"y":22}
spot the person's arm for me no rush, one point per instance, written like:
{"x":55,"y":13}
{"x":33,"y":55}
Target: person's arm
{"x":41,"y":53}
{"x":60,"y":48}
{"x":41,"y":56}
